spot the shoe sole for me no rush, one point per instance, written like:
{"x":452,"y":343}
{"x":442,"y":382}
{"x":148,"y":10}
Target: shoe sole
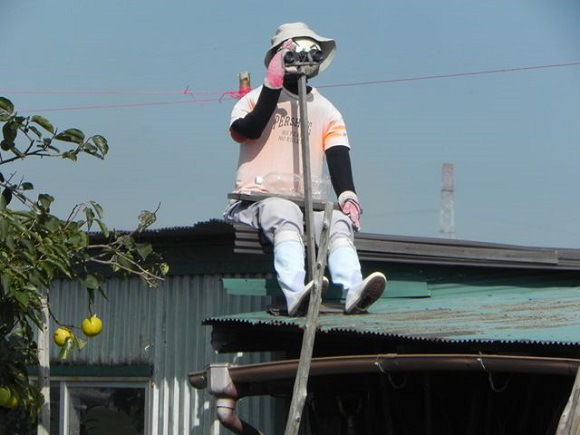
{"x":370,"y":294}
{"x":302,"y":306}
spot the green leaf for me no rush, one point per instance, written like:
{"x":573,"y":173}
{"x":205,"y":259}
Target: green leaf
{"x":43,"y":122}
{"x":19,"y":120}
{"x":84,"y":239}
{"x":103,"y":294}
{"x":66,"y":349}
{"x":10,"y":130}
{"x":97,"y":208}
{"x":144,"y":249}
{"x":79,"y":240}
{"x":36,"y":321}
{"x":35,"y":130}
{"x":79,"y":343}
{"x":27,"y":186}
{"x":146,"y":219}
{"x":164,"y":268}
{"x":6,"y":108}
{"x":123,"y":261}
{"x":3,"y":224}
{"x":7,"y":196}
{"x":90,"y":215}
{"x":103,"y":228}
{"x":22,"y":298}
{"x":71,"y":135}
{"x":70,"y":155}
{"x":60,"y":265}
{"x":53,"y":224}
{"x":44,"y":201}
{"x":91,"y":149}
{"x":91,"y":282}
{"x":6,"y":281}
{"x":5,"y":145}
{"x":46,"y":143}
{"x":101,"y":144}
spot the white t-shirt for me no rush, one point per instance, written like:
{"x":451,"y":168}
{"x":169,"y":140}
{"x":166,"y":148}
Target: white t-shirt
{"x":278,"y":149}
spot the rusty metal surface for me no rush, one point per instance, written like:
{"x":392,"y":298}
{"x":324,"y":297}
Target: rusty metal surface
{"x":514,"y":313}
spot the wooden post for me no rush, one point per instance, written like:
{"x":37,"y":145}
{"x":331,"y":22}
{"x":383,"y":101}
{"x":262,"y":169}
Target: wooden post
{"x":44,"y":367}
{"x":315,"y":269}
{"x":245,"y":85}
{"x":301,"y":381}
{"x":570,"y":420}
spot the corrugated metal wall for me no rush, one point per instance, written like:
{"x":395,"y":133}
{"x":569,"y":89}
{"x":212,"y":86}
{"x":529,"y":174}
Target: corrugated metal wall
{"x":162,"y":327}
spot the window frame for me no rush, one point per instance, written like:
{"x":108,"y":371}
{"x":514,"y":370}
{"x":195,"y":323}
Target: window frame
{"x":65,"y":383}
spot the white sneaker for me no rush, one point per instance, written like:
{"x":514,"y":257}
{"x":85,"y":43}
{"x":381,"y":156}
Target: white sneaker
{"x":362,"y":296}
{"x":299,"y":305}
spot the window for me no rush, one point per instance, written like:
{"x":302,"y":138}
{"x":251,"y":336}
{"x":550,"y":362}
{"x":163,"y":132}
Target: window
{"x":83,"y":407}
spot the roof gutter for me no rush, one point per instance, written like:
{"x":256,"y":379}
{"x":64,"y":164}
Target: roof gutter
{"x":279,"y":370}
{"x":229,"y":383}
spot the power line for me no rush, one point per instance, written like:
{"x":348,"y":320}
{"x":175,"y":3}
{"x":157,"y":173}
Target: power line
{"x":232,"y":94}
{"x":185,"y":91}
{"x":445,"y":76}
{"x":118,"y":106}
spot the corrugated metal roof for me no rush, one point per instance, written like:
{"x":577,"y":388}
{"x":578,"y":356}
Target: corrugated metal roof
{"x":426,"y":250}
{"x":519,"y":312}
{"x":381,"y":247}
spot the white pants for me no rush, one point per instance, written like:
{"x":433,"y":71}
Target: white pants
{"x":282,"y":222}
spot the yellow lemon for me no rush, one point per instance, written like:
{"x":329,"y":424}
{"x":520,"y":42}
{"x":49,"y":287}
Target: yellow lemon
{"x":61,"y":334}
{"x":13,"y":401}
{"x":92,"y":326}
{"x":5,"y":395}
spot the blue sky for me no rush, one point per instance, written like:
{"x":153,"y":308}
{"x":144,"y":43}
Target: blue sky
{"x":512,"y":137}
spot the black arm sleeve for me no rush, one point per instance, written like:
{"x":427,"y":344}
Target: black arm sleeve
{"x":339,"y":168}
{"x":252,"y":125}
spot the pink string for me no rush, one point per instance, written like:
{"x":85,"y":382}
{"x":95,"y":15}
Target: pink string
{"x":112,"y":106}
{"x":244,"y":90}
{"x":237,"y":94}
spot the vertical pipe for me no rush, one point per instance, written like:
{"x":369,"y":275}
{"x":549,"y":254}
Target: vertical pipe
{"x":447,"y":207}
{"x":307,"y":177}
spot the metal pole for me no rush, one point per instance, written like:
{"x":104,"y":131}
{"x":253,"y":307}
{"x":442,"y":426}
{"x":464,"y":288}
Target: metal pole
{"x":307,"y":177}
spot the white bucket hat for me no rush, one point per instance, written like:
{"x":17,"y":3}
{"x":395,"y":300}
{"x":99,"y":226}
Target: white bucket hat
{"x":297,"y":30}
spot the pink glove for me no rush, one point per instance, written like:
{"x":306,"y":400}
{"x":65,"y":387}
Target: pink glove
{"x":349,"y":205}
{"x":275,"y":73}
